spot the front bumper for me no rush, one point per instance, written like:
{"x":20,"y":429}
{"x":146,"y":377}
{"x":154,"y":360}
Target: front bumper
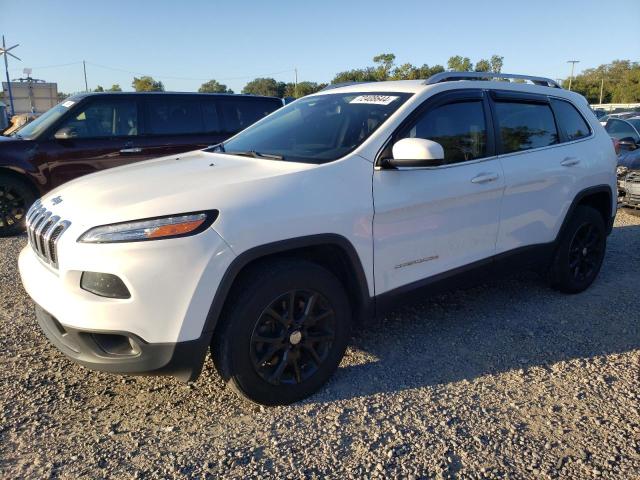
{"x":172,"y":284}
{"x":124,"y":352}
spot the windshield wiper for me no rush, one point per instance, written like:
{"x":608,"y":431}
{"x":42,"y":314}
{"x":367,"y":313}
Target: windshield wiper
{"x":254,"y":154}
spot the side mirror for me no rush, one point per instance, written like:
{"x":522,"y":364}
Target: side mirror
{"x":65,"y":133}
{"x":416,"y":152}
{"x":627,"y":143}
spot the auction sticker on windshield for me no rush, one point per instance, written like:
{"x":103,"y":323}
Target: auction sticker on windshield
{"x":68,"y":103}
{"x":374,"y":99}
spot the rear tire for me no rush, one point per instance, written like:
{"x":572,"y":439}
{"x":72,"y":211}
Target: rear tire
{"x":580,"y":253}
{"x":15,"y":199}
{"x":283,"y":332}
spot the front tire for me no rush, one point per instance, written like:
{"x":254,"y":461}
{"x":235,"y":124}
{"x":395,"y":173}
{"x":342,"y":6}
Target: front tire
{"x":283,"y":332}
{"x":581,"y":251}
{"x":15,"y":199}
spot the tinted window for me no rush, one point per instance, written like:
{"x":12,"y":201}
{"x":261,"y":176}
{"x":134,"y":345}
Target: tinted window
{"x":103,"y":118}
{"x":241,"y":112}
{"x":459,"y":127}
{"x":210,"y":116}
{"x":525,"y":125}
{"x":173,"y":115}
{"x":620,"y":129}
{"x":570,"y":120}
{"x":318,"y":128}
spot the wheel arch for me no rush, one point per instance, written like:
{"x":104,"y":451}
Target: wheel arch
{"x":331,"y":251}
{"x":21,"y":176}
{"x":599,"y":197}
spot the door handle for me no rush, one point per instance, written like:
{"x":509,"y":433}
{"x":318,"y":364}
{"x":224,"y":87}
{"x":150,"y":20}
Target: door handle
{"x":485,"y":178}
{"x":131,"y":150}
{"x":569,"y":162}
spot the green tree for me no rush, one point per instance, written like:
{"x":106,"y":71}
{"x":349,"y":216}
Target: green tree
{"x":304,"y":88}
{"x":496,"y":63}
{"x":62,"y":96}
{"x":620,"y":82}
{"x":115,"y":88}
{"x":265,"y":86}
{"x":483,"y":65}
{"x":407,"y":71}
{"x":99,"y":88}
{"x":147,"y":84}
{"x":459,"y":64}
{"x":387,"y":70}
{"x":213,"y":86}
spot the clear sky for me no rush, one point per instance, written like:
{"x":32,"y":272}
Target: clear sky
{"x":236,"y":41}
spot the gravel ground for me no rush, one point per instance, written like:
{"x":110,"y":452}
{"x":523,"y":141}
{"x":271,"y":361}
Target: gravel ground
{"x":506,"y":380}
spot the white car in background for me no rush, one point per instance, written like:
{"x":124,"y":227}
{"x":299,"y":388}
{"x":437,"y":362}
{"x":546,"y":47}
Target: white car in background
{"x":273,"y":246}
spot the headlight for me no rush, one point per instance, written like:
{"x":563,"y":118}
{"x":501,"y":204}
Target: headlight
{"x":621,"y":170}
{"x":151,"y":228}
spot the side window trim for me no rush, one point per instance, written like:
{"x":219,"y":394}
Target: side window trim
{"x":438,"y":100}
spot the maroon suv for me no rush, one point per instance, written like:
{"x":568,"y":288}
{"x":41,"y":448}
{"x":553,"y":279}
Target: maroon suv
{"x":95,"y":131}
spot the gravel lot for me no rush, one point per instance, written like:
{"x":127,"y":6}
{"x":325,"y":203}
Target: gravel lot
{"x":507,"y":380}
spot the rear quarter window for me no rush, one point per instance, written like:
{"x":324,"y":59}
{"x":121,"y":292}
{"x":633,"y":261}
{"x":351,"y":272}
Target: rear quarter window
{"x":570,"y":120}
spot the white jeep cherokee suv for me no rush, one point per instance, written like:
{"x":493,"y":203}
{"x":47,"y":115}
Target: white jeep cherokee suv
{"x":271,"y":246}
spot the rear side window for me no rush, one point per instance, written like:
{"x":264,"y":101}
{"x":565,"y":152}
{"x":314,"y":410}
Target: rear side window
{"x":570,"y":120}
{"x":524,"y":126}
{"x":241,"y":112}
{"x":459,"y":127}
{"x":173,"y":115}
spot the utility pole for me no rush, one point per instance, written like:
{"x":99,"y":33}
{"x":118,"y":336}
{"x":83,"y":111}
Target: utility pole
{"x":601,"y":89}
{"x":295,"y":87}
{"x":4,"y":51}
{"x":84,"y":66}
{"x":573,"y":64}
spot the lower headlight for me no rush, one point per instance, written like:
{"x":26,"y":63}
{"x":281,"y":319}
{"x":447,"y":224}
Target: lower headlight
{"x":151,"y":228}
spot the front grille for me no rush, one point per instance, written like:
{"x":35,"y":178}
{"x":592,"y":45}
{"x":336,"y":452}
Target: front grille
{"x":633,"y":177}
{"x":44,"y":230}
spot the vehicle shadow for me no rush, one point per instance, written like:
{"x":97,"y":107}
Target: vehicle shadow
{"x":510,"y":323}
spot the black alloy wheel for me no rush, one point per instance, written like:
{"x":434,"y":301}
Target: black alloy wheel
{"x":585,"y":252}
{"x":293,"y":337}
{"x":580,"y":252}
{"x":283,"y":331}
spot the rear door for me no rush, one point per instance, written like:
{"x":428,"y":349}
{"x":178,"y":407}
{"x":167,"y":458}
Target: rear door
{"x":100,"y":133}
{"x":542,"y":166}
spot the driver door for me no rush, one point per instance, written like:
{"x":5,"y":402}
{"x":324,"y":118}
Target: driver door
{"x":434,"y":220}
{"x":99,"y":134}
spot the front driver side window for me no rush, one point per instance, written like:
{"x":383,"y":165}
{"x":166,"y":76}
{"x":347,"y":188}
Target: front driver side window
{"x":459,"y":127}
{"x":103,"y":118}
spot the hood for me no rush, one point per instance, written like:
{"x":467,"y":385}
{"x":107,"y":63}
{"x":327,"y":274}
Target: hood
{"x":189,"y":182}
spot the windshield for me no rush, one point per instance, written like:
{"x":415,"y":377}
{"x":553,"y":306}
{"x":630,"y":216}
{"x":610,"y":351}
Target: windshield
{"x":44,"y":121}
{"x":317,"y":129}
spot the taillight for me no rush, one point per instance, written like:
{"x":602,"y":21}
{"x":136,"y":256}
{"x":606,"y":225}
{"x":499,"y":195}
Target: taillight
{"x":616,"y":145}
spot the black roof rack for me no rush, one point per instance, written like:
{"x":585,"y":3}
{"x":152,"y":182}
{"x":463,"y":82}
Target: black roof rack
{"x":452,"y":76}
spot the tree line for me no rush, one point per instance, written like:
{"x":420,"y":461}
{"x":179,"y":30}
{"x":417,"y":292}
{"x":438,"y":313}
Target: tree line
{"x":618,"y":81}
